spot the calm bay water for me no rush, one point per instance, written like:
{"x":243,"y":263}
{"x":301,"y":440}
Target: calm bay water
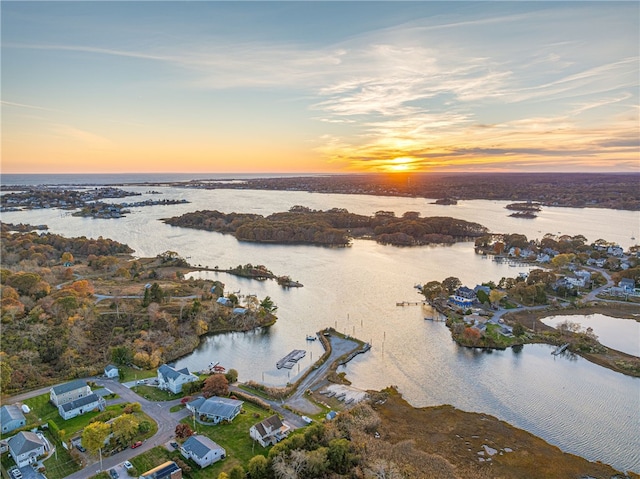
{"x":578,"y":406}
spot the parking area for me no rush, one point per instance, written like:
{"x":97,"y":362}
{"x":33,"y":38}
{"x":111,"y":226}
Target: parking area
{"x":26,"y":472}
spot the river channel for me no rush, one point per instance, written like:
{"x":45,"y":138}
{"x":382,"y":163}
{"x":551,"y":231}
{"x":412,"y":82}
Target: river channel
{"x":578,"y":406}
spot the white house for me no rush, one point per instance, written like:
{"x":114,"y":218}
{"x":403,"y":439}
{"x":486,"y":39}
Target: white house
{"x":11,"y":418}
{"x":270,"y":431}
{"x":26,"y":447}
{"x":172,"y":379}
{"x":80,"y":406}
{"x":67,"y":392}
{"x":202,"y":450}
{"x":112,"y":371}
{"x":215,"y":409}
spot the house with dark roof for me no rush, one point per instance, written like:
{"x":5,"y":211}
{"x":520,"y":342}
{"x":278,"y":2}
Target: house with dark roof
{"x":26,"y":447}
{"x":270,"y":431}
{"x":627,"y":284}
{"x":463,"y":297}
{"x":215,"y":409}
{"x":70,"y":391}
{"x":112,"y":372}
{"x":172,"y":379}
{"x":202,"y":450}
{"x":81,"y":405}
{"x":11,"y":418}
{"x":166,"y":470}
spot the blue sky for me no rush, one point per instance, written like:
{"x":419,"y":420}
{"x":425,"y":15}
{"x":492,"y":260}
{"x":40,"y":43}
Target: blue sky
{"x":320,"y":86}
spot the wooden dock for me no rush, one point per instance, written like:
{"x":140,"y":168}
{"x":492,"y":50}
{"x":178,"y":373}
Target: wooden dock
{"x":410,"y":303}
{"x":291,"y":359}
{"x":560,"y":349}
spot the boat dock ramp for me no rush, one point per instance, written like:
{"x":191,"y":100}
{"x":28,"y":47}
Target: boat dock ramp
{"x":291,"y":359}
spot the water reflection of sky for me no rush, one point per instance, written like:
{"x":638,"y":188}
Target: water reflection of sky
{"x":615,"y":333}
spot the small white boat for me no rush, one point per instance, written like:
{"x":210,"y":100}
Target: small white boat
{"x":310,"y":338}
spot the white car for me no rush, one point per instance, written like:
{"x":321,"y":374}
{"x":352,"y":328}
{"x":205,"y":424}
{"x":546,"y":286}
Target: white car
{"x":128,"y":465}
{"x":306,"y":419}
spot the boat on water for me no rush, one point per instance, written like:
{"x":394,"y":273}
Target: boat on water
{"x":560,"y":349}
{"x":310,"y":337}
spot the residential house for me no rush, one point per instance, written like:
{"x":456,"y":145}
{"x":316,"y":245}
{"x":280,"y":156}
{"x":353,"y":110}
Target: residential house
{"x":215,"y":409}
{"x":239,"y":311}
{"x":11,"y":418}
{"x":224,"y":301}
{"x":112,"y":371}
{"x":167,"y":470}
{"x":269,"y":432}
{"x":627,"y":284}
{"x":172,"y":379}
{"x":202,"y":450}
{"x":67,"y":392}
{"x":615,"y":250}
{"x":463,"y":297}
{"x":81,"y":405}
{"x":26,"y":447}
{"x":543,"y":258}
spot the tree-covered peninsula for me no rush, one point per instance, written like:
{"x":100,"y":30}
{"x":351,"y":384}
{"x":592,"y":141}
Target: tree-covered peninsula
{"x":69,"y":306}
{"x":334,"y":227}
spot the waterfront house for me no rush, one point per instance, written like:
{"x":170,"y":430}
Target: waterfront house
{"x":11,"y":418}
{"x":172,"y":379}
{"x":26,"y":447}
{"x":270,"y":431}
{"x":215,"y":409}
{"x":202,"y":450}
{"x":166,"y":470}
{"x":112,"y":371}
{"x":81,"y":405}
{"x":223,"y":301}
{"x":64,"y":393}
{"x":463,"y":297}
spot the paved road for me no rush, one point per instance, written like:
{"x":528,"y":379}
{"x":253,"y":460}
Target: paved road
{"x":158,"y":411}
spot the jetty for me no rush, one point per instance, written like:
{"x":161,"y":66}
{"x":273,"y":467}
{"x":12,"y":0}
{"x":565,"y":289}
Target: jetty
{"x":291,"y":359}
{"x":560,"y":349}
{"x":410,"y":303}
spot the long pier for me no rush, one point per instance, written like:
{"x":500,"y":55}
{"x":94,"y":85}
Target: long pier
{"x":291,"y":359}
{"x":410,"y":303}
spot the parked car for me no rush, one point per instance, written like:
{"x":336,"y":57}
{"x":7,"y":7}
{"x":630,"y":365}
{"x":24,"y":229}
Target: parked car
{"x":15,"y":473}
{"x":174,"y":445}
{"x":80,"y":448}
{"x":113,"y":473}
{"x":136,"y":444}
{"x":128,"y":465}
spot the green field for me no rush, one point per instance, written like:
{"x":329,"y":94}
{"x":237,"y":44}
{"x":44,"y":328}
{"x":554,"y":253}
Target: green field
{"x":154,"y":394}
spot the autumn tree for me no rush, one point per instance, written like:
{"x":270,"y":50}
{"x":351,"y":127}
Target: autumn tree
{"x":495,"y":296}
{"x":215,"y":385}
{"x":183,"y":431}
{"x":94,"y":435}
{"x":124,"y":428}
{"x":432,"y":290}
{"x":67,"y":257}
{"x":472,"y":335}
{"x":451,"y":284}
{"x":258,"y":467}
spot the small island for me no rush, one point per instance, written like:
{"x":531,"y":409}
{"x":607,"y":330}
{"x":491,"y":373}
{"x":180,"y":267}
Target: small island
{"x":334,"y":227}
{"x":524,"y":210}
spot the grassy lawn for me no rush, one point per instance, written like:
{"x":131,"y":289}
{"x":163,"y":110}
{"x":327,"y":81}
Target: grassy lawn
{"x":131,"y":374}
{"x":155,"y":394}
{"x":176,"y":408}
{"x":60,"y":464}
{"x":234,"y":438}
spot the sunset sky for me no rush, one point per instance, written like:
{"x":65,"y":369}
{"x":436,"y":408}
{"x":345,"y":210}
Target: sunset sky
{"x":228,"y":87}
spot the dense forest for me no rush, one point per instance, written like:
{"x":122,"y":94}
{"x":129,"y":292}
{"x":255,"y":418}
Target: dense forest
{"x":575,"y":190}
{"x":334,"y":227}
{"x":72,"y":305}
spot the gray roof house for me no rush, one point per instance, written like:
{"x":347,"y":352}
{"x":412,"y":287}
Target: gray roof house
{"x":81,"y":405}
{"x":215,"y":409}
{"x":111,"y":371}
{"x":172,"y":379}
{"x":11,"y":418}
{"x":627,"y":284}
{"x":202,"y":450}
{"x":270,"y":431}
{"x":70,"y":391}
{"x":26,"y":447}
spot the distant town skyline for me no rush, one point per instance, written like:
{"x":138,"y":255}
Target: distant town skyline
{"x":320,"y":87}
